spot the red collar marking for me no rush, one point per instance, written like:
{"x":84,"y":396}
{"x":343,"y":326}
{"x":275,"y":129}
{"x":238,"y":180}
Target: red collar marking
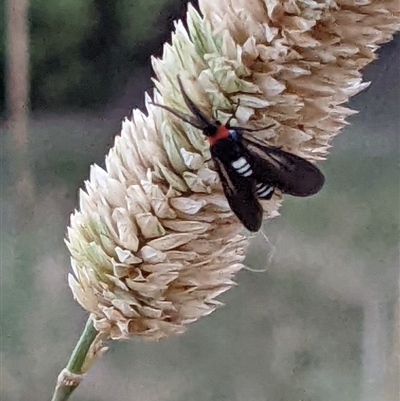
{"x":222,"y":133}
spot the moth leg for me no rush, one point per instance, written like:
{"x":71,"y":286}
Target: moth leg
{"x":252,"y":129}
{"x":233,"y":114}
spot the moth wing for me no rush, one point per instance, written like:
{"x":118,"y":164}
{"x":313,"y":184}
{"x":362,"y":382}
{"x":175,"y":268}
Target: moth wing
{"x":290,"y":173}
{"x":239,"y":192}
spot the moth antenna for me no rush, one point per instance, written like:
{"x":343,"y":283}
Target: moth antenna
{"x":192,"y":106}
{"x":183,"y":117}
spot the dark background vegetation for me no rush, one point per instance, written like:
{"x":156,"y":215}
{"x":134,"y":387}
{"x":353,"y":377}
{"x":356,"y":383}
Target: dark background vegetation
{"x":83,"y":52}
{"x":318,"y":324}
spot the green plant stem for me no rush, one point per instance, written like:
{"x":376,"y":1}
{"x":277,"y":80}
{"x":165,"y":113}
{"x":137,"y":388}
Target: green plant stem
{"x":62,"y":392}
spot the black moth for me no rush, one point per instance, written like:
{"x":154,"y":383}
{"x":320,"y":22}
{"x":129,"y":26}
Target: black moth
{"x":248,"y":169}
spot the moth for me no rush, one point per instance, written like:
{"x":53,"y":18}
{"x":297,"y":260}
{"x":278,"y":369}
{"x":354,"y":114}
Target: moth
{"x":248,"y":169}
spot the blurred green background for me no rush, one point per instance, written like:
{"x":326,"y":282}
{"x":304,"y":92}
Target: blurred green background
{"x":84,"y":52}
{"x":318,"y":324}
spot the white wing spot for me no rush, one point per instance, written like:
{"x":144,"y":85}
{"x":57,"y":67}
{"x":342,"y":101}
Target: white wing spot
{"x":242,"y":167}
{"x":237,"y":164}
{"x":264,"y":191}
{"x":248,"y":173}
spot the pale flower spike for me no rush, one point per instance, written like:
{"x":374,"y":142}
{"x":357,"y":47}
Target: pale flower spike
{"x":154,"y":242}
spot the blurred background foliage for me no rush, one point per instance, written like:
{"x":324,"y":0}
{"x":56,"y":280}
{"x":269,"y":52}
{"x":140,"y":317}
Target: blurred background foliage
{"x":82,"y":52}
{"x":318,"y":324}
